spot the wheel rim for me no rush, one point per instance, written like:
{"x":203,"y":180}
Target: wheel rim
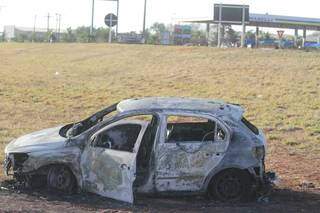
{"x":229,"y":187}
{"x":60,"y":178}
{"x":63,"y":179}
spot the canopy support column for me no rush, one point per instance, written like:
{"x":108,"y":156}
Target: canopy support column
{"x":304,"y":36}
{"x":296,"y":35}
{"x":208,"y":34}
{"x":243,"y":35}
{"x":257,"y":36}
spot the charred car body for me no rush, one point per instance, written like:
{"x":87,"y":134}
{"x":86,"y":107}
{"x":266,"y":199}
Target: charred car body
{"x":150,"y":145}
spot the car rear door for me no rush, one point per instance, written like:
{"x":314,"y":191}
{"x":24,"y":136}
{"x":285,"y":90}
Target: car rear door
{"x":108,"y":166}
{"x":184,"y":163}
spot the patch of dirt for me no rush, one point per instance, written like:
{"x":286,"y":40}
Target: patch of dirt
{"x":281,"y":201}
{"x":294,"y":168}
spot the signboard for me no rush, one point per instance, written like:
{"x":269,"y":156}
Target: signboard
{"x":182,"y":34}
{"x":280,"y":33}
{"x":182,"y":31}
{"x":231,"y":13}
{"x":111,"y":20}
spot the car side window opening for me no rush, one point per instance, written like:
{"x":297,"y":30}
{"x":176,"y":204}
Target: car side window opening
{"x":190,"y":129}
{"x":221,"y":135}
{"x":250,"y":126}
{"x":121,"y":137}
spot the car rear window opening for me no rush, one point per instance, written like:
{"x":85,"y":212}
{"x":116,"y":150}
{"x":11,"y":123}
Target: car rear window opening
{"x":252,"y":127}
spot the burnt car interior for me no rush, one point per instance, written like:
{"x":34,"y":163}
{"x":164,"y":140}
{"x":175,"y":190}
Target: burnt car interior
{"x":123,"y":137}
{"x":189,"y":129}
{"x":145,"y":152}
{"x":120,"y":137}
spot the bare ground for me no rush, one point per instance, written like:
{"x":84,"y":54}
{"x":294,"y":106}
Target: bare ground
{"x":296,"y":192}
{"x":282,"y":200}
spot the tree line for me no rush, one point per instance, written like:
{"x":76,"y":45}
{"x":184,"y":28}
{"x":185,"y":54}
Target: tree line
{"x":153,"y":35}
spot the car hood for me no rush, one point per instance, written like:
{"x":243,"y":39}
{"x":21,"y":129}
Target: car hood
{"x":37,"y":141}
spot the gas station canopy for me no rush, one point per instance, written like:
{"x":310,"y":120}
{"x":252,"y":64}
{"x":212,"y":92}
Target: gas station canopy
{"x":273,"y":21}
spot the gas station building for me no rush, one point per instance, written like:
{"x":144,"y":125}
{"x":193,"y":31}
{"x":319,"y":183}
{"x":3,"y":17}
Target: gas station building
{"x":270,"y":21}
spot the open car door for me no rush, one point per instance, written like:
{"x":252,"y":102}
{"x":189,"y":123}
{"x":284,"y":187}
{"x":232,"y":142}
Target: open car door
{"x":108,"y":162}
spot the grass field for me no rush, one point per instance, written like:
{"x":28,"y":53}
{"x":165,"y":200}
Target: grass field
{"x":45,"y":85}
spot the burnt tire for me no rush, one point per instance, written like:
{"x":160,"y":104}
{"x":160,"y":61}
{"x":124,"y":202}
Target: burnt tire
{"x":61,"y":179}
{"x":231,"y":185}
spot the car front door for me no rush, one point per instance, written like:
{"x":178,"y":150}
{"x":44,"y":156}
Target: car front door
{"x":108,"y":162}
{"x":189,"y":149}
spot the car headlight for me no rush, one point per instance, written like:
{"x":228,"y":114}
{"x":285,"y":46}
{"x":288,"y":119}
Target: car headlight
{"x":18,"y":160}
{"x":258,"y":152}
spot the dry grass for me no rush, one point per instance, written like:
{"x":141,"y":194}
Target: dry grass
{"x":45,"y":85}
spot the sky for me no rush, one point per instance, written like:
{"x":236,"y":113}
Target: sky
{"x":78,"y":12}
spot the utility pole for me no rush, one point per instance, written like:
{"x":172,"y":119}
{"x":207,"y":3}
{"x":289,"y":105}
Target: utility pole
{"x":92,"y":17}
{"x":48,"y":22}
{"x":34,"y":28}
{"x":117,"y":27}
{"x":58,"y":25}
{"x":59,"y":29}
{"x":144,"y":20}
{"x":48,"y":26}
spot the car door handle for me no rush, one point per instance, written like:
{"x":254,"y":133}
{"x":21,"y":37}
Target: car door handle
{"x":208,"y":154}
{"x":124,"y":166}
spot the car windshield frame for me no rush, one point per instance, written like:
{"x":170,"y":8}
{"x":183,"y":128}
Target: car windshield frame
{"x":77,"y":128}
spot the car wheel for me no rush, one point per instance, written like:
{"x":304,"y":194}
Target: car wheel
{"x":231,"y":185}
{"x":60,"y":178}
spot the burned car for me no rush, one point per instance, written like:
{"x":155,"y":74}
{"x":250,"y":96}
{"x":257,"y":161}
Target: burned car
{"x":149,"y":145}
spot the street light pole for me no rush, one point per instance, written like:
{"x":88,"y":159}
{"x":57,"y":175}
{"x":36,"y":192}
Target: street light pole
{"x":92,"y":17}
{"x":34,"y":28}
{"x":117,"y":27}
{"x":58,"y":26}
{"x":144,"y":20}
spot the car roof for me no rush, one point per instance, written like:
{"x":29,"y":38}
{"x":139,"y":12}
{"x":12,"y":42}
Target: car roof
{"x":182,"y":104}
